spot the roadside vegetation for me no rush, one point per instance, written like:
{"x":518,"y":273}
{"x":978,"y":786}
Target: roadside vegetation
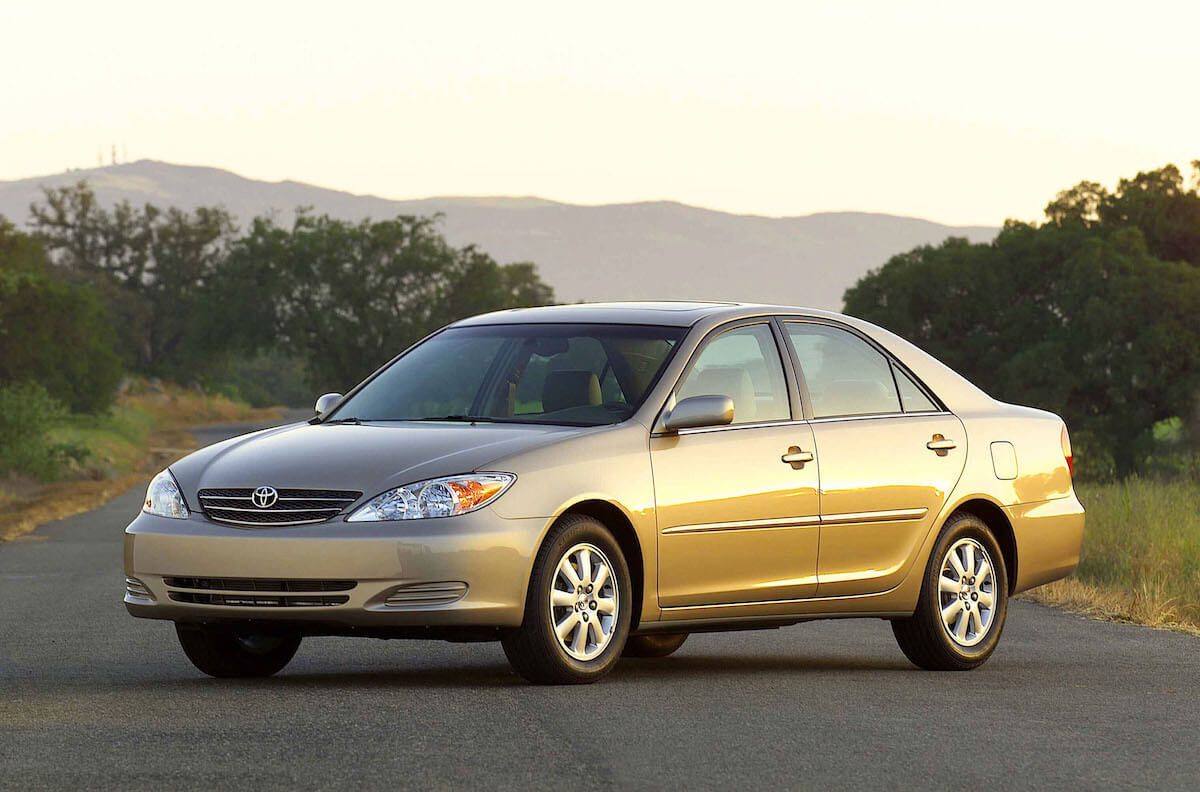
{"x":55,"y":463}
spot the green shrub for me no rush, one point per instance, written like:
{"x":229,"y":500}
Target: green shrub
{"x":263,"y":380}
{"x":52,"y":331}
{"x":27,"y":414}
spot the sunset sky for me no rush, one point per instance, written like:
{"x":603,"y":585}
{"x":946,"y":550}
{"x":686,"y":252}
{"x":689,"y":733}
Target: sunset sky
{"x":957,"y":112}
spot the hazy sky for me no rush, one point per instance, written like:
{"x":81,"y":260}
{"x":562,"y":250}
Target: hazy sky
{"x":962,"y":112}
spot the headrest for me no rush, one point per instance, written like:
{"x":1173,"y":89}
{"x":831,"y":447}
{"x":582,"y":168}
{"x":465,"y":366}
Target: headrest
{"x":731,"y":381}
{"x":568,"y":388}
{"x":857,"y":397}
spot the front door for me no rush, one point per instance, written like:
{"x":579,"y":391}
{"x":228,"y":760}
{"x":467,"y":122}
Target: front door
{"x":737,"y":523}
{"x":890,"y":455}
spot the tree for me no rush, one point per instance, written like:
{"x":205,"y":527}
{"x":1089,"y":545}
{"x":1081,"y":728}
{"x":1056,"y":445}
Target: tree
{"x":1157,"y":203}
{"x":347,"y":297}
{"x":1077,"y":315}
{"x":150,"y":266}
{"x":52,"y":332}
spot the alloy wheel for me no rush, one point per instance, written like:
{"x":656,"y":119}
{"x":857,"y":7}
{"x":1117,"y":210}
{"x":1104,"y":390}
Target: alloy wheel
{"x":584,"y":602}
{"x":967,"y":592}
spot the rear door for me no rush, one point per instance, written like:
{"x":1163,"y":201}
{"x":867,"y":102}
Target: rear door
{"x":889,"y":452}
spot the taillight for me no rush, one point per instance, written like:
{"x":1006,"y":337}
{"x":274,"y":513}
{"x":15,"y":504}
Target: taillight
{"x":1065,"y":439}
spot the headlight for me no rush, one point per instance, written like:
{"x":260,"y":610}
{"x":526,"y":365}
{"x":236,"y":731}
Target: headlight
{"x":440,"y":497}
{"x":163,"y":497}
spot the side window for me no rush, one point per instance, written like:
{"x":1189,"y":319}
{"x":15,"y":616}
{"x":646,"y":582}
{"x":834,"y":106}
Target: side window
{"x":845,"y":375}
{"x":912,"y":398}
{"x":744,"y":365}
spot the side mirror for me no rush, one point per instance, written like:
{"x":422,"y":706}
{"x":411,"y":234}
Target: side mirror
{"x":698,"y":411}
{"x":326,"y":402}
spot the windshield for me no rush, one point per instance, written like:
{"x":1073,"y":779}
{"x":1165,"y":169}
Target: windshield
{"x":582,"y":375}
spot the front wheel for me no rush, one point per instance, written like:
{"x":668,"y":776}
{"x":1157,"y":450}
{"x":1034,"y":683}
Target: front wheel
{"x":964,"y":600}
{"x":578,"y":608}
{"x":224,"y":651}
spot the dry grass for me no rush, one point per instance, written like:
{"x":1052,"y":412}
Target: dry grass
{"x":1109,"y":604}
{"x":1141,"y":556}
{"x":173,"y":407}
{"x":143,"y":433}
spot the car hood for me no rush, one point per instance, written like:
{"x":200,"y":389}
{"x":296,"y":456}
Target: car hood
{"x":369,"y":457}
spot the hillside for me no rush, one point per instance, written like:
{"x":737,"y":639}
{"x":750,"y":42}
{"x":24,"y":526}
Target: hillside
{"x":616,"y":251}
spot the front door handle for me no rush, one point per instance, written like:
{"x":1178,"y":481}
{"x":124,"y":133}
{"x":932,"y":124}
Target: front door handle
{"x":941,"y":445}
{"x":796,"y":458}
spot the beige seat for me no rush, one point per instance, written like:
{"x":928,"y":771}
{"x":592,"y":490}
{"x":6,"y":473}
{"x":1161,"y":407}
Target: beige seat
{"x":569,"y":388}
{"x":731,"y":381}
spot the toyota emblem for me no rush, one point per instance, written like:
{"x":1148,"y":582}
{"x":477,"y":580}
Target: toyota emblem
{"x":264,"y":497}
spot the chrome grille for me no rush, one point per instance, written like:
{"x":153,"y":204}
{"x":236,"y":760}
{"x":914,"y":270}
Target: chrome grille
{"x":294,"y":506}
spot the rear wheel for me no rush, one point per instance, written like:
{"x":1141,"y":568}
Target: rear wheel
{"x":653,"y":645}
{"x":578,"y":607}
{"x":963,"y":601}
{"x":224,"y":651}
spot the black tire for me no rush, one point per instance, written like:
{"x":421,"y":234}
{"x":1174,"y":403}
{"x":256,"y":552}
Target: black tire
{"x":223,"y":651}
{"x":653,"y":645}
{"x":534,"y":649}
{"x":923,"y":637}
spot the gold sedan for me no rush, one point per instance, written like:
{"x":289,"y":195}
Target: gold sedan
{"x":582,"y":482}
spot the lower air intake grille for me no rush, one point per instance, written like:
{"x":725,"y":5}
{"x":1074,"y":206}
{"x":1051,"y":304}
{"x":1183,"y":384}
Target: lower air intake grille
{"x":258,"y":584}
{"x":423,"y":594}
{"x":137,"y":589}
{"x":257,"y":600}
{"x":236,"y":506}
{"x":258,"y":592}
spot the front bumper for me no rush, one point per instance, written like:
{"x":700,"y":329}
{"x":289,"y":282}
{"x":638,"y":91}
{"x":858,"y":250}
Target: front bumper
{"x":184,"y":566}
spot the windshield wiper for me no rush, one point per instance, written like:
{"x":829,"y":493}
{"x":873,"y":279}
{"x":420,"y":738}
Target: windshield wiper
{"x":459,"y":418}
{"x":355,"y":421}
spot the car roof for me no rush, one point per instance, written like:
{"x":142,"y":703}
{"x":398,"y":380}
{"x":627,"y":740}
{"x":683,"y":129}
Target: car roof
{"x":674,"y":313}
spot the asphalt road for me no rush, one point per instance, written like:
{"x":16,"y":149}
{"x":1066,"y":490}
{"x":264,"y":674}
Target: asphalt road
{"x":92,"y":698}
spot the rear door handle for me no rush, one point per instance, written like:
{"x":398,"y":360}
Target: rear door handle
{"x":796,"y":458}
{"x":941,"y":445}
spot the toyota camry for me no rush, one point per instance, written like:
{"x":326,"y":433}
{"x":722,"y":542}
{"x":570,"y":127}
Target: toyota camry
{"x":591,"y":481}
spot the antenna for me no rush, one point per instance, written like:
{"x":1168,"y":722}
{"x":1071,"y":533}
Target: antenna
{"x":114,"y":153}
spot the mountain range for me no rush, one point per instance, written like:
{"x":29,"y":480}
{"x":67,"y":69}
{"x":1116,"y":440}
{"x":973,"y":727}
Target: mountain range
{"x":642,"y":250}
